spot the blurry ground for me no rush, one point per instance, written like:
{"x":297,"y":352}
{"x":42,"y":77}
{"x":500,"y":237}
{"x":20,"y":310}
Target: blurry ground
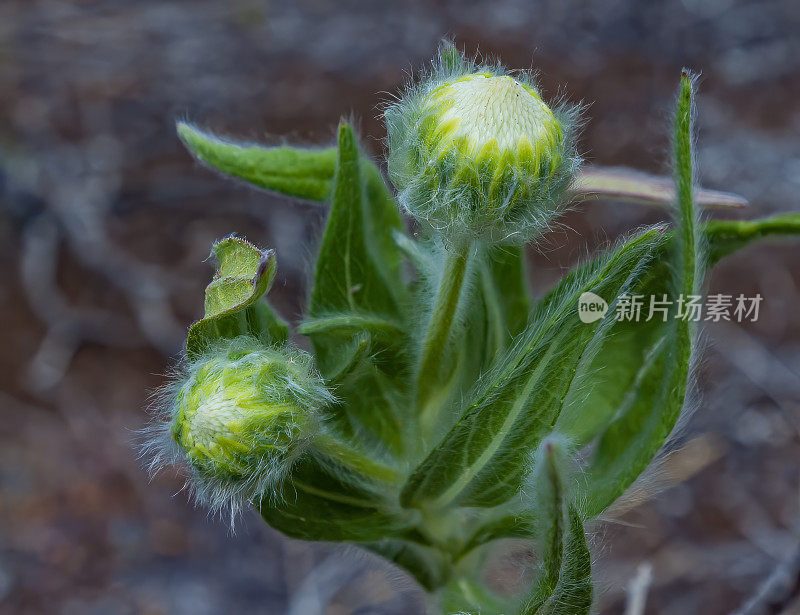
{"x":105,"y":222}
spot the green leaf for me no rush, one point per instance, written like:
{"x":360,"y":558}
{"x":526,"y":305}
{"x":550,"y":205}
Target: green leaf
{"x":617,"y":365}
{"x":564,"y":584}
{"x":603,"y":383}
{"x":358,"y":267}
{"x":306,"y":173}
{"x":496,"y":311}
{"x":425,"y":564}
{"x":356,"y":312}
{"x":520,"y":524}
{"x":232,"y":307}
{"x":688,"y":275}
{"x":727,"y":236}
{"x":504,"y":291}
{"x":646,"y":420}
{"x":320,"y":501}
{"x":294,"y":171}
{"x":572,"y":592}
{"x":482,"y":460}
{"x":551,"y":504}
{"x":629,"y":444}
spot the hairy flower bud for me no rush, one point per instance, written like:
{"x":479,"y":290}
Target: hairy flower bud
{"x":241,"y":415}
{"x":477,"y":153}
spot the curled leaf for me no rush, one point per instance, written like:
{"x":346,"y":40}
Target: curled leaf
{"x":232,"y":308}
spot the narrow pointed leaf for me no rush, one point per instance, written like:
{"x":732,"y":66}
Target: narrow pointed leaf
{"x":359,"y":294}
{"x":294,"y":171}
{"x":573,"y":591}
{"x":492,"y":309}
{"x":551,"y":503}
{"x":633,"y":439}
{"x":358,"y":267}
{"x":630,"y":185}
{"x":564,"y":583}
{"x":440,"y":358}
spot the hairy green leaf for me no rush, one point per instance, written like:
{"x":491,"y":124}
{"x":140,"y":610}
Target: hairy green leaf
{"x":426,"y":565}
{"x":564,"y":583}
{"x":573,"y":591}
{"x":294,"y":171}
{"x":633,"y":439}
{"x":614,"y":369}
{"x":603,"y":383}
{"x":232,"y":307}
{"x":441,"y":358}
{"x":324,"y":502}
{"x":727,"y":236}
{"x":492,"y":307}
{"x":356,"y":317}
{"x":551,"y":504}
{"x":521,"y":524}
{"x":505,"y":296}
{"x":496,"y":311}
{"x":482,"y":459}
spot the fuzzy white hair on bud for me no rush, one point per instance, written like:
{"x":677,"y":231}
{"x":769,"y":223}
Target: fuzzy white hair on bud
{"x":237,"y":417}
{"x":476,"y":153}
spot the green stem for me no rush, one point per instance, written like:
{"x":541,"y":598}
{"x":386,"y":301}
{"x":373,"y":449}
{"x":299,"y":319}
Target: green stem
{"x":689,"y":276}
{"x":345,"y":455}
{"x":430,"y":374}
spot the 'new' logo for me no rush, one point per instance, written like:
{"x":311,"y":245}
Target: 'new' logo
{"x":591,"y":307}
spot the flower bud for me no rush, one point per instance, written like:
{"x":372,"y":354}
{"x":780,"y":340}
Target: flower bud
{"x":477,"y":153}
{"x":241,"y":415}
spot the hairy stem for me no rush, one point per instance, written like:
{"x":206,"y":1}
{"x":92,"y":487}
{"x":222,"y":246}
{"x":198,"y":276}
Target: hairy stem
{"x":684,"y":183}
{"x":439,"y":328}
{"x":345,"y":455}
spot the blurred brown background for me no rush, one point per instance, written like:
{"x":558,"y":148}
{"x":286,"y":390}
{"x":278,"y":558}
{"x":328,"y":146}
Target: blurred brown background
{"x":105,"y":223}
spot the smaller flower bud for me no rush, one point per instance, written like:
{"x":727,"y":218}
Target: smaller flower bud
{"x":241,"y":414}
{"x":477,"y":153}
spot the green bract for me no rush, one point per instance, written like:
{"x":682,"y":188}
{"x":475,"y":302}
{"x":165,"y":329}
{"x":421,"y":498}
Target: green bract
{"x":442,"y":409}
{"x":476,"y":153}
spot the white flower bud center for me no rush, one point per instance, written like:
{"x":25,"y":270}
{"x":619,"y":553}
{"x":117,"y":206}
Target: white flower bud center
{"x":213,"y":419}
{"x":483,"y":108}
